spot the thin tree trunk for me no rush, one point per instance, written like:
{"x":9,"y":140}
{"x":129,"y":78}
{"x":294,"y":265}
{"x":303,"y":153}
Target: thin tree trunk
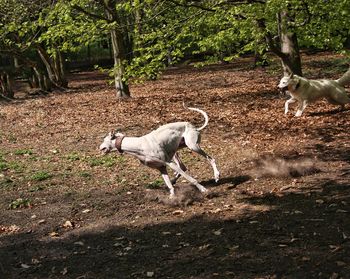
{"x":118,"y":48}
{"x":43,"y":82}
{"x":287,"y":49}
{"x":289,"y":46}
{"x":121,"y":86}
{"x":60,"y":69}
{"x":6,"y":85}
{"x":52,"y":71}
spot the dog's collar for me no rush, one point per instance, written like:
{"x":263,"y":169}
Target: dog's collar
{"x":118,"y":143}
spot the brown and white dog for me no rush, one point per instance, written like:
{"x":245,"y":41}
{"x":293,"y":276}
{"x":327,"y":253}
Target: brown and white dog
{"x":306,"y":91}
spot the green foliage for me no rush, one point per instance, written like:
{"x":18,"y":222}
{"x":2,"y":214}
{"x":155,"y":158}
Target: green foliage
{"x":3,"y":166}
{"x":36,"y":188}
{"x":157,"y":34}
{"x":9,"y":165}
{"x":105,"y":161}
{"x":65,"y":28}
{"x":41,"y":176}
{"x":85,"y":174}
{"x":6,"y":182}
{"x":23,"y":152}
{"x":74,"y":156}
{"x":20,"y":203}
{"x":159,"y":183}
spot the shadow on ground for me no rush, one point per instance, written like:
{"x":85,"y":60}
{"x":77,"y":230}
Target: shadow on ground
{"x":302,"y":235}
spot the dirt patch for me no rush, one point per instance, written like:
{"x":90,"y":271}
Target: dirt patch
{"x":280,"y":210}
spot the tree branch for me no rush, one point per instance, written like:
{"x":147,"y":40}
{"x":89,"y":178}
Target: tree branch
{"x":242,"y":2}
{"x":192,"y":6}
{"x":272,"y":45}
{"x":307,"y":19}
{"x":93,"y":15}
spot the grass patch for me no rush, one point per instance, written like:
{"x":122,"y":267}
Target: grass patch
{"x":10,"y":165}
{"x":106,"y":161}
{"x":156,"y":184}
{"x":23,"y":152}
{"x":6,"y":182}
{"x":74,"y":156}
{"x":41,"y":176}
{"x":20,"y":203}
{"x":3,"y":166}
{"x":85,"y":174}
{"x":36,"y":188}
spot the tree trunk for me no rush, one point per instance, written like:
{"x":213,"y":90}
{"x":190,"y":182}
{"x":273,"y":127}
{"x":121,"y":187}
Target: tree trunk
{"x":54,"y":74}
{"x":289,"y":46}
{"x":60,"y":68}
{"x":121,"y":86}
{"x":6,"y":85}
{"x":43,"y":82}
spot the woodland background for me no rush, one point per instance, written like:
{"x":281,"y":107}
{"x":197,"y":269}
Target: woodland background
{"x":73,"y":70}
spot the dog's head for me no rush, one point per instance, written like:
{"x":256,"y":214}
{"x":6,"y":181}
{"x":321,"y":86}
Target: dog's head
{"x":108,"y":143}
{"x":289,"y":83}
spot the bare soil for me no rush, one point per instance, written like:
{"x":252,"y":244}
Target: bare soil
{"x":280,"y":210}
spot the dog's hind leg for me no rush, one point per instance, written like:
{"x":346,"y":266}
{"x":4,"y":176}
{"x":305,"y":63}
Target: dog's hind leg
{"x":286,"y":104}
{"x":174,"y":167}
{"x":339,"y":98}
{"x":181,"y":165}
{"x":192,"y":143}
{"x":301,"y":108}
{"x":167,"y":181}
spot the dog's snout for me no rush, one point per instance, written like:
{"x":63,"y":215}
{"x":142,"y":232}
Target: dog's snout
{"x":283,"y":89}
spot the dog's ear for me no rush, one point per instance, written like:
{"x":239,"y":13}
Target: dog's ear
{"x":296,"y":82}
{"x":112,"y":134}
{"x":291,"y":75}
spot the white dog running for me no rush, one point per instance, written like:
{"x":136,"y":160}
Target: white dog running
{"x":306,"y":91}
{"x":158,"y":149}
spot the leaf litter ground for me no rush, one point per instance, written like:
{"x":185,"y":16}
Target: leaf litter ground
{"x":280,"y":210}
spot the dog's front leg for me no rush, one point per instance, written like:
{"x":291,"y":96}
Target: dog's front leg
{"x":301,"y":108}
{"x":167,"y":181}
{"x":187,"y":177}
{"x":286,"y":105}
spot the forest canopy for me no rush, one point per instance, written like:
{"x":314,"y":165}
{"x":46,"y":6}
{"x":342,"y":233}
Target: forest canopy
{"x":40,"y":40}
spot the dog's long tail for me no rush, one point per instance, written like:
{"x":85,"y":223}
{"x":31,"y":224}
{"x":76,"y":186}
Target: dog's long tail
{"x":345,"y":79}
{"x":205,"y":115}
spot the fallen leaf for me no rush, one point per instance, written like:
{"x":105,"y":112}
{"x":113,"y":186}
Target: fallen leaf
{"x":178,"y":212}
{"x":64,"y":271}
{"x":68,"y":224}
{"x":334,"y":275}
{"x":340,"y":263}
{"x":218,"y":232}
{"x":217,"y":210}
{"x":54,"y":234}
{"x":79,"y":243}
{"x":25,"y":266}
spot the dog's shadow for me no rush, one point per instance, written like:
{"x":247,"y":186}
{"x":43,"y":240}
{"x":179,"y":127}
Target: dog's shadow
{"x":187,"y":194}
{"x":329,"y":112}
{"x":233,"y":181}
